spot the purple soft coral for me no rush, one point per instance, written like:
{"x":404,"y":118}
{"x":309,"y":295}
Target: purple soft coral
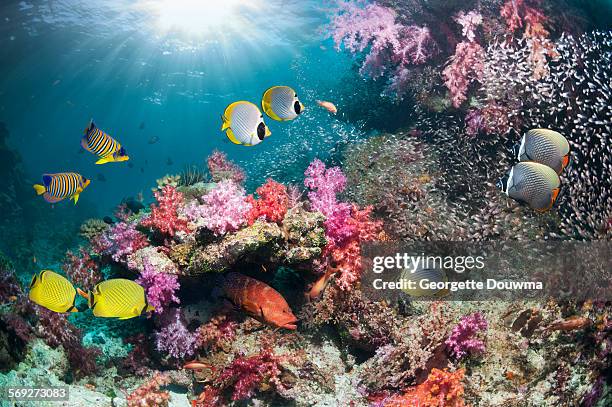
{"x":160,"y":287}
{"x":463,"y":340}
{"x":225,"y":208}
{"x":175,"y":339}
{"x":120,"y":241}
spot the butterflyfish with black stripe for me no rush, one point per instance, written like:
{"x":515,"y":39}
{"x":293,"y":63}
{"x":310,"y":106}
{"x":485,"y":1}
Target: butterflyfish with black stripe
{"x":53,"y":291}
{"x":117,"y":298}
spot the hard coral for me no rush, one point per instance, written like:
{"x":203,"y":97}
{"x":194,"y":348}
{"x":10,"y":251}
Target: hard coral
{"x":159,"y":286}
{"x":224,"y":209}
{"x":462,"y":340}
{"x":441,"y":389}
{"x":149,"y":393}
{"x":164,"y":216}
{"x":220,"y":168}
{"x":81,"y":269}
{"x":272,"y":204}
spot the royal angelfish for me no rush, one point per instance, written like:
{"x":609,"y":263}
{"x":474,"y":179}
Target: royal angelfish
{"x":53,"y":291}
{"x":104,"y":146}
{"x":118,"y":298}
{"x":431,"y":275}
{"x":244,"y":124}
{"x":534,"y":184}
{"x":545,"y":147}
{"x":281,"y":103}
{"x":57,"y":187}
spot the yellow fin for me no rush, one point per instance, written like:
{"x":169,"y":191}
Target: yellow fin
{"x":76,"y":198}
{"x":128,"y":317}
{"x":104,"y":160}
{"x":226,"y":123}
{"x":40,"y":189}
{"x":150,"y":308}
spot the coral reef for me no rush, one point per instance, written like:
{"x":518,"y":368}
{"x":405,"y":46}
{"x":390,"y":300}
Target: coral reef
{"x":442,"y":388}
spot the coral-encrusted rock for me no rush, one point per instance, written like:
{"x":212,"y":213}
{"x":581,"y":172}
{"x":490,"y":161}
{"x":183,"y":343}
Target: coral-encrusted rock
{"x":157,"y":259}
{"x":299,"y":239}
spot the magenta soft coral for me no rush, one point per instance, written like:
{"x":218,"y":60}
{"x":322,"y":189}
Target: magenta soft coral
{"x":159,"y":286}
{"x":359,"y":26}
{"x":272,"y":203}
{"x":164,"y":216}
{"x":216,"y":334}
{"x":120,"y":241}
{"x":346,"y":226}
{"x":175,"y":340}
{"x":245,"y":374}
{"x":463,"y":339}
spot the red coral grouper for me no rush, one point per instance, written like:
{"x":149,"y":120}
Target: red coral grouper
{"x":259,"y":300}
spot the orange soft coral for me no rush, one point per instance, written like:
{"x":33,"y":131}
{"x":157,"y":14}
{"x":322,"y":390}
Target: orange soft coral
{"x":441,"y":389}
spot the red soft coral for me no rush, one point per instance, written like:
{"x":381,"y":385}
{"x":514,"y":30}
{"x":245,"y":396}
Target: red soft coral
{"x":149,"y":393}
{"x":164,"y":216}
{"x":441,"y":389}
{"x":245,"y":374}
{"x":82,"y":269}
{"x":272,"y":203}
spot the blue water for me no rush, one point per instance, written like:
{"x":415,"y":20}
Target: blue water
{"x":124,"y":64}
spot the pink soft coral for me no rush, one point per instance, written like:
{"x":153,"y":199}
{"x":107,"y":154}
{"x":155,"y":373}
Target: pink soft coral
{"x":160,"y":287}
{"x":120,"y":241}
{"x":225,"y":208}
{"x":164,"y":216}
{"x":466,"y":66}
{"x":359,"y":26}
{"x":469,"y":21}
{"x":220,"y":168}
{"x":463,"y":340}
{"x":272,"y":204}
{"x":346,"y":226}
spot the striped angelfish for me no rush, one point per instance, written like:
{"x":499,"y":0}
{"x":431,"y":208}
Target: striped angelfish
{"x":56,"y":187}
{"x":104,"y":146}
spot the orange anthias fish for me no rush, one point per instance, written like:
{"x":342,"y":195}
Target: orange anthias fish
{"x":329,"y":106}
{"x":259,"y":300}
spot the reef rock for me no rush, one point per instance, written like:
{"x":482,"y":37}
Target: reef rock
{"x":298,"y":240}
